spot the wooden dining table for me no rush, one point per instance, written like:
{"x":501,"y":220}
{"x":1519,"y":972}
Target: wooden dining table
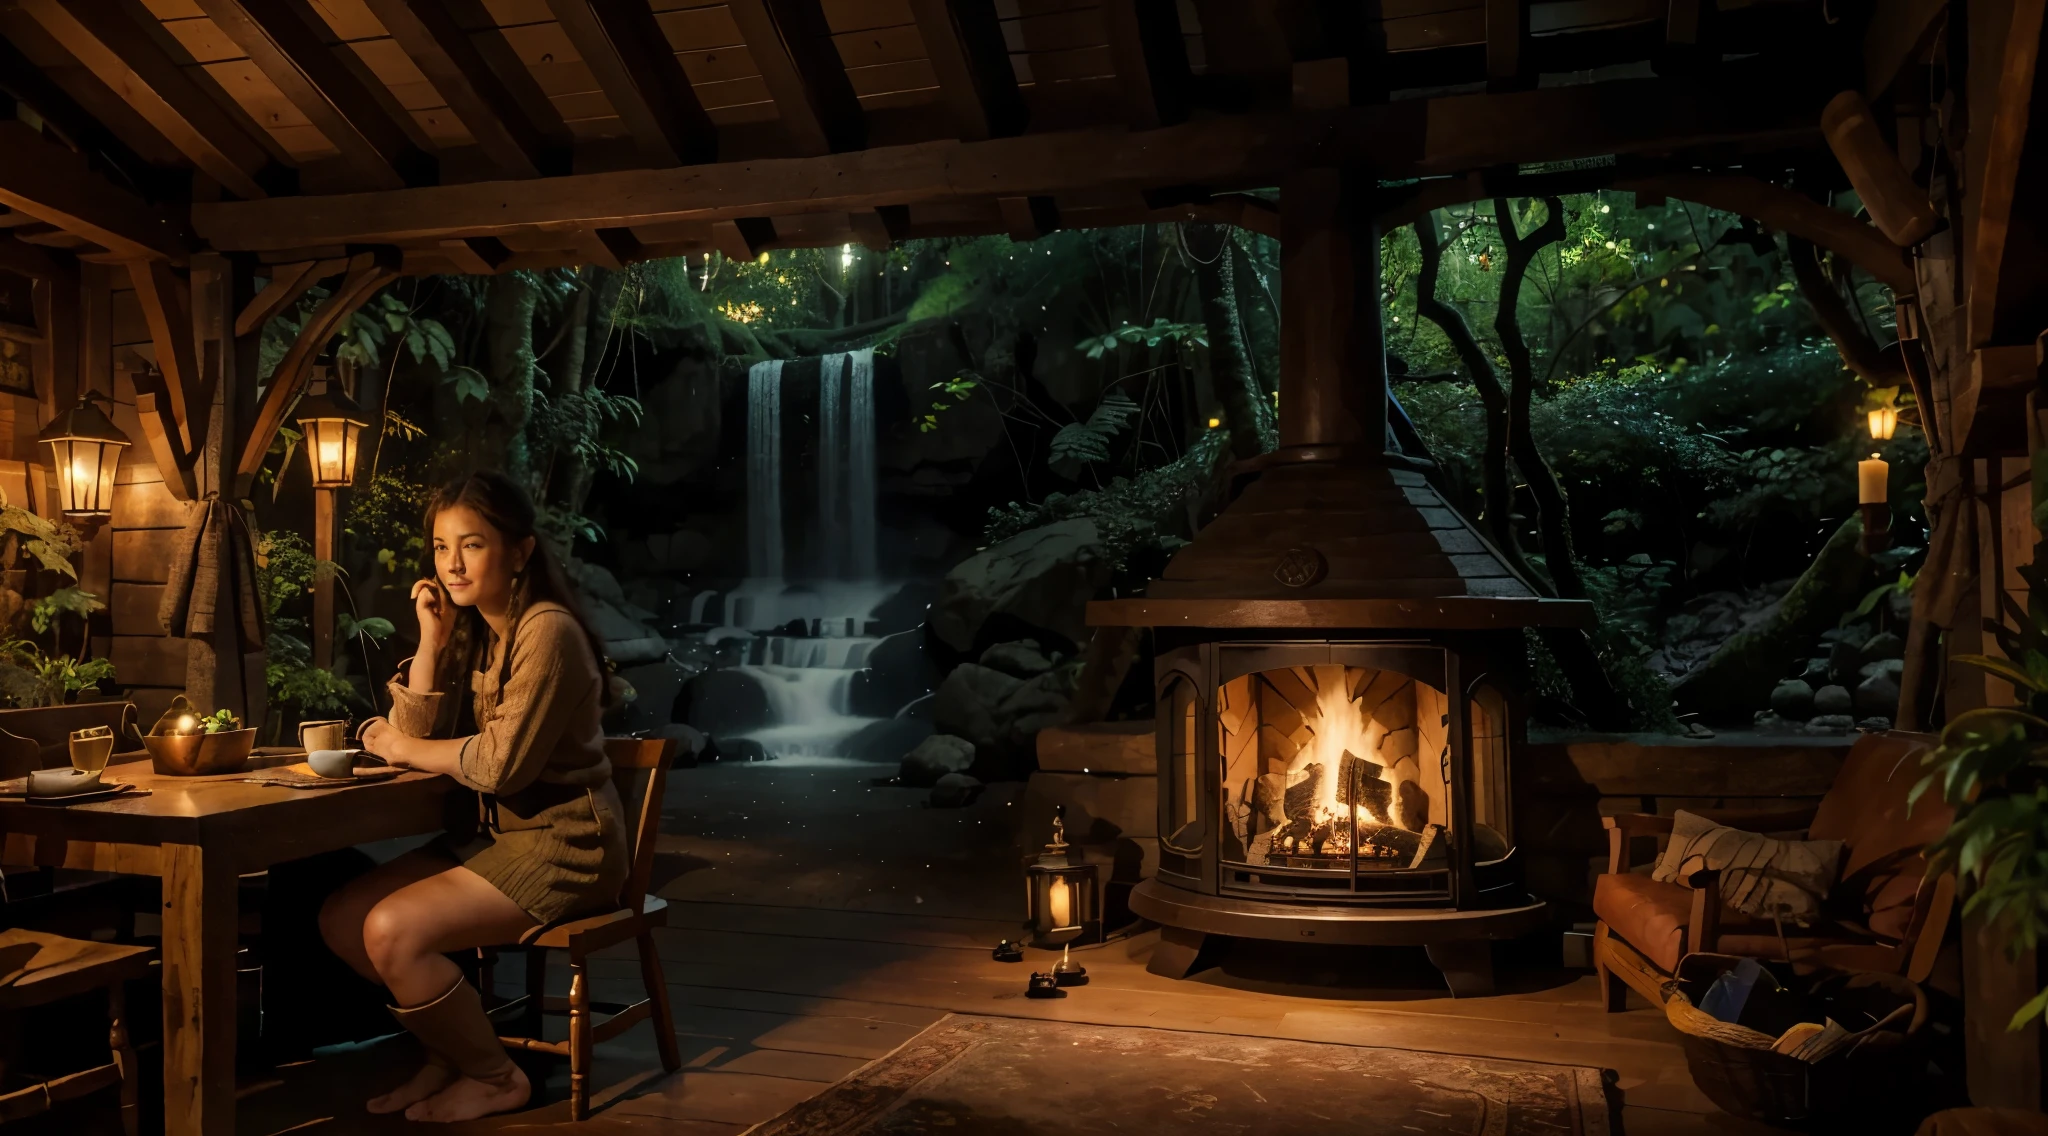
{"x":200,"y":834}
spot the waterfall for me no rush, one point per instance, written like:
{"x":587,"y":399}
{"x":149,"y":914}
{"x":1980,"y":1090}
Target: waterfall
{"x":807,"y":678}
{"x":860,"y":465}
{"x":764,"y":470}
{"x":832,"y":472}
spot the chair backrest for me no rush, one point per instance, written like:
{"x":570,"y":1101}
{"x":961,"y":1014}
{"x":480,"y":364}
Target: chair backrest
{"x":49,"y":727}
{"x":653,"y":755}
{"x":1883,"y":836}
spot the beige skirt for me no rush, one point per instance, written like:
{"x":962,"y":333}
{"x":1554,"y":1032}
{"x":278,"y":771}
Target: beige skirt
{"x":558,"y":852}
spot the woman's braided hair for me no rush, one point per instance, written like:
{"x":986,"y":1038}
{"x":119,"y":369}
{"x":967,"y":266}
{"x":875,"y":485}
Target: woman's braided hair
{"x":506,"y":507}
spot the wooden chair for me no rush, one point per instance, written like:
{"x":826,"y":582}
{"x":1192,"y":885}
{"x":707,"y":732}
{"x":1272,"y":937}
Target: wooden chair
{"x":635,"y":919}
{"x":1887,"y":913}
{"x":61,"y":968}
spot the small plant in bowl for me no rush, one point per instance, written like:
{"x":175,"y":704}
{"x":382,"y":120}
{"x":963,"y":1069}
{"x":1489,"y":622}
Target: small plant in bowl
{"x":185,"y":743}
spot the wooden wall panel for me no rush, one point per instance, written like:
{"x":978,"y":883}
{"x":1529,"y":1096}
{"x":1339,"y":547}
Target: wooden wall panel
{"x":143,"y":556}
{"x":145,"y":660}
{"x":133,"y":607}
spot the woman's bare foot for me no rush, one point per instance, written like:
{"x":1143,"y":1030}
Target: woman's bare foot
{"x":431,"y":1079}
{"x":467,"y":1098}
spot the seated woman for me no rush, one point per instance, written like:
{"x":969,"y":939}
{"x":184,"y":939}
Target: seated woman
{"x":500,"y":638}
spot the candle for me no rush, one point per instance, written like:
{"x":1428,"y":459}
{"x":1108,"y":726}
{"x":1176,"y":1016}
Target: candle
{"x":1060,"y":901}
{"x":1871,"y":479}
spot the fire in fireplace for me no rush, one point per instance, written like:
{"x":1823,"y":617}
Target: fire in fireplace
{"x":1340,"y":662}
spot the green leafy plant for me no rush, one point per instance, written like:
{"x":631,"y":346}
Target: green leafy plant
{"x":1079,"y":444}
{"x":958,"y":388}
{"x":70,"y":600}
{"x":376,"y":628}
{"x":1161,"y":330}
{"x":1992,"y":769}
{"x":51,"y":543}
{"x":31,"y":677}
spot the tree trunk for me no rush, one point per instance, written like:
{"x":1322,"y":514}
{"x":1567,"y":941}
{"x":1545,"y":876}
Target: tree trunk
{"x":1496,"y":491}
{"x":1261,"y":329}
{"x":1736,"y":680}
{"x":508,"y":318}
{"x":1553,"y":511}
{"x":1252,"y":430}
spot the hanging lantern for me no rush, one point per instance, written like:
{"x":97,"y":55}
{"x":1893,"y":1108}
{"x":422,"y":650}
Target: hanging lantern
{"x":1884,"y":422}
{"x":1060,"y":895}
{"x":333,"y":424}
{"x":85,"y":451}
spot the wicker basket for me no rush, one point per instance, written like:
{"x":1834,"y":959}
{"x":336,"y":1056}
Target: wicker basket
{"x":1736,"y":1069}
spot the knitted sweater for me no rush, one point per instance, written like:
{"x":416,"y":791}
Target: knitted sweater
{"x":554,"y":842}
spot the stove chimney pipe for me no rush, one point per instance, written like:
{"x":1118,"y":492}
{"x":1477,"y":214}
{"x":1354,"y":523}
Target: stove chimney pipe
{"x":1333,"y":360}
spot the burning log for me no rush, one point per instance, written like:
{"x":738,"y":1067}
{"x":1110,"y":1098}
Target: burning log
{"x":1412,"y":806}
{"x":1360,"y":782}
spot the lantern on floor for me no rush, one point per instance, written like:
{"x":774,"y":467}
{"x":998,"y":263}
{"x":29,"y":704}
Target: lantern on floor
{"x":1060,"y":895}
{"x":334,"y":426}
{"x":85,"y":451}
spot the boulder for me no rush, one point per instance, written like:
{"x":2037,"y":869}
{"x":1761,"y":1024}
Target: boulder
{"x":627,"y":641}
{"x":898,"y":672}
{"x":655,"y":687}
{"x":691,"y":743}
{"x":1043,"y":577}
{"x":1816,"y":673}
{"x":954,"y":791}
{"x":1883,"y":645}
{"x":905,"y":608}
{"x":969,"y":704}
{"x":1833,"y":700}
{"x":1878,"y":725}
{"x":723,"y":702}
{"x":1793,"y":699}
{"x":1022,"y":659}
{"x":935,"y":757}
{"x":1894,"y":669}
{"x":1844,"y":660}
{"x":1877,"y":697}
{"x":1830,"y":723}
{"x":886,"y":741}
{"x":1037,"y":704}
{"x":680,"y":431}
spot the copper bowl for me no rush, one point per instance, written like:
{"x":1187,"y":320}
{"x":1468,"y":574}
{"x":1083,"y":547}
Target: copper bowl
{"x":196,"y":755}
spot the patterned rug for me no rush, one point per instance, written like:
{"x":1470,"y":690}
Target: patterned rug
{"x":1014,"y":1077}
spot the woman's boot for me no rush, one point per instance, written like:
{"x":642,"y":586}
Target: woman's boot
{"x":455,"y":1028}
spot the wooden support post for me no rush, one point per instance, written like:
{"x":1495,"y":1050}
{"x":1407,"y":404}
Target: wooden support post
{"x":323,"y":579}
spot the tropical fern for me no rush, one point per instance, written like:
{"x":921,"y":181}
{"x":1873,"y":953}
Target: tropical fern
{"x":1080,"y":444}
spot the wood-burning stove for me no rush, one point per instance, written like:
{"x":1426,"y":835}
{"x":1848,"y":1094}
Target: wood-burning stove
{"x":1340,"y":664}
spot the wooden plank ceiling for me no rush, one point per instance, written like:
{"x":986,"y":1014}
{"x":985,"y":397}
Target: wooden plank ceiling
{"x":479,"y":135}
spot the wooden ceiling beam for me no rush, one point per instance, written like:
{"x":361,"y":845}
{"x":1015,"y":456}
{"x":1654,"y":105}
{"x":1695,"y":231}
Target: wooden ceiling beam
{"x":166,"y":302}
{"x":1507,"y":43}
{"x":964,"y":41}
{"x":282,"y":42}
{"x":1410,"y":138}
{"x":1151,"y":60}
{"x":1029,"y":218}
{"x":27,"y":83}
{"x":444,"y":52}
{"x":792,"y":46}
{"x":54,"y":184}
{"x":106,"y":38}
{"x":624,"y":47}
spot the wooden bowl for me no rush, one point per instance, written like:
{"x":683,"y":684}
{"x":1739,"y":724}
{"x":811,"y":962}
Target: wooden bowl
{"x":196,"y":755}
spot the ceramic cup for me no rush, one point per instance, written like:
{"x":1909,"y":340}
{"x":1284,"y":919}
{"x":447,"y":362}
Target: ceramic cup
{"x":333,"y":762}
{"x":322,"y":735}
{"x":61,"y":782}
{"x":90,"y":749}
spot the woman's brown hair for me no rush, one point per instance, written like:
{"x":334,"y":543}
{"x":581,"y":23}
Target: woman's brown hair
{"x":506,"y":507}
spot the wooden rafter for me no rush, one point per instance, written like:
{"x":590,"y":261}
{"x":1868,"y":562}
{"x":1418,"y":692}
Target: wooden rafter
{"x":287,"y":283}
{"x":964,"y":41}
{"x":2008,"y":284}
{"x":625,"y":48}
{"x":175,"y":462}
{"x":792,"y":46}
{"x":443,"y":51}
{"x":107,"y":39}
{"x":1410,"y":138}
{"x":51,"y":183}
{"x":1507,"y":43}
{"x":367,"y":272}
{"x":477,"y":256}
{"x":281,"y":41}
{"x":26,"y":82}
{"x":166,"y":302}
{"x":1151,"y":60}
{"x":1029,"y":218}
